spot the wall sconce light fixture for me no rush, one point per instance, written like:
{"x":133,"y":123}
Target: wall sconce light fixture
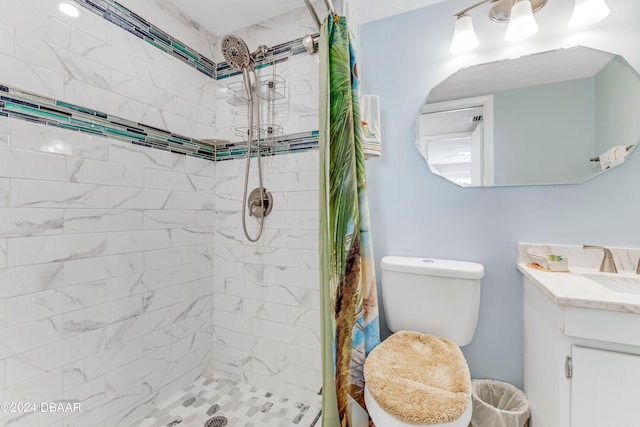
{"x":519,"y":15}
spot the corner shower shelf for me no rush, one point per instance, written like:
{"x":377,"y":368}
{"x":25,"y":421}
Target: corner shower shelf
{"x":238,"y":95}
{"x":268,"y":133}
{"x":270,"y":88}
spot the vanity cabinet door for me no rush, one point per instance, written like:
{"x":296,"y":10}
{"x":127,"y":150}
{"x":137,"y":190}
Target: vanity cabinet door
{"x":605,"y":388}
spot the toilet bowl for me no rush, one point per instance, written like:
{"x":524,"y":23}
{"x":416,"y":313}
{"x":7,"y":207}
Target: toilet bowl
{"x":418,"y":376}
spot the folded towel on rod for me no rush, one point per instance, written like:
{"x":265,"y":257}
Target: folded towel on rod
{"x":613,"y":157}
{"x":370,"y":122}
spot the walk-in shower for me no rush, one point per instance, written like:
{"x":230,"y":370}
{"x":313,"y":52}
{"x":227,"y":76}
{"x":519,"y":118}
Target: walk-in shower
{"x":129,"y":295}
{"x":237,"y":55}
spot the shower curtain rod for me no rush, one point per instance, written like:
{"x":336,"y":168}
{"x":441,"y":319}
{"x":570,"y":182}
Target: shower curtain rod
{"x":329,"y":5}
{"x":313,"y":13}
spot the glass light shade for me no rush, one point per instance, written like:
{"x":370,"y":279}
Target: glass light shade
{"x":522,"y":24}
{"x":588,"y":12}
{"x":464,"y":36}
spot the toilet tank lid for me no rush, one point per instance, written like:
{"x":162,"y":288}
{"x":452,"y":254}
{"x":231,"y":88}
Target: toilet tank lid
{"x":433,"y":267}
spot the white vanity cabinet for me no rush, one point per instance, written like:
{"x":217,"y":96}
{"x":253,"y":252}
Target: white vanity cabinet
{"x":581,"y":364}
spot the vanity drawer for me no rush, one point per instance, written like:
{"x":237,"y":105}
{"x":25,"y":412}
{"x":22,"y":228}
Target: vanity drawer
{"x":602,"y":325}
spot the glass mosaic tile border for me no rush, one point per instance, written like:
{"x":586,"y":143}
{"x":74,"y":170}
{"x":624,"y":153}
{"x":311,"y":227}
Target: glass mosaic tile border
{"x":114,"y":12}
{"x":34,"y":108}
{"x":275,"y":55}
{"x":124,"y":18}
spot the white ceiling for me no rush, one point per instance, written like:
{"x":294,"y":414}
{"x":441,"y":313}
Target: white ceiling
{"x":373,"y":10}
{"x":222,"y":17}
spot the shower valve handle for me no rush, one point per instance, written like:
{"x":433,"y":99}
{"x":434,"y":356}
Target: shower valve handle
{"x":254,"y":206}
{"x":260,"y":203}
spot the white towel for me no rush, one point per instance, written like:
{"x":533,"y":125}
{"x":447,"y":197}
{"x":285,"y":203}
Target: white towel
{"x":613,"y":157}
{"x":371,"y":135}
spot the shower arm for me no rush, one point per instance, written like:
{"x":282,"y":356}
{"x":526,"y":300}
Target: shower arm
{"x":260,"y":53}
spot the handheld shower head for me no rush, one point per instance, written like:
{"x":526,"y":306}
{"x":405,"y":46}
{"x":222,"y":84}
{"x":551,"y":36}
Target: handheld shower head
{"x":236,"y":53}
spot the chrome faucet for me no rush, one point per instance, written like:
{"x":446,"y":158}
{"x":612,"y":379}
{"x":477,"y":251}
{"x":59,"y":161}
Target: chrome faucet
{"x":608,"y":264}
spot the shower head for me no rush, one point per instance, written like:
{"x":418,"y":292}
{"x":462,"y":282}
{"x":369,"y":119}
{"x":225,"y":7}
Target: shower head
{"x":236,"y":52}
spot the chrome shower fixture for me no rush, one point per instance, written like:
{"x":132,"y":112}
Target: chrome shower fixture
{"x":260,"y":202}
{"x":260,"y":53}
{"x":237,"y":55}
{"x":236,"y":52}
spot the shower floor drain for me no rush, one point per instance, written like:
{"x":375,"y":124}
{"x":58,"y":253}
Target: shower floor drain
{"x":216,"y":422}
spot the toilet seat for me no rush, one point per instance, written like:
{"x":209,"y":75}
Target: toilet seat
{"x":415,"y":379}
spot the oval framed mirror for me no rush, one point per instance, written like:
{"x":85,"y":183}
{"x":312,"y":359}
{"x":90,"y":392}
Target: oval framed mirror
{"x":556,"y":117}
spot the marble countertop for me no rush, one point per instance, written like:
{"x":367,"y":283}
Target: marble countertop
{"x":574,"y":290}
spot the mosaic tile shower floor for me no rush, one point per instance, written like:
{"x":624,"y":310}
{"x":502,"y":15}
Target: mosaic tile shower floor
{"x":242,"y":405}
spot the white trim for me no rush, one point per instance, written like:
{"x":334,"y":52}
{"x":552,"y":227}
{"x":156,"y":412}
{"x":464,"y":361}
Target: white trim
{"x":486,"y":102}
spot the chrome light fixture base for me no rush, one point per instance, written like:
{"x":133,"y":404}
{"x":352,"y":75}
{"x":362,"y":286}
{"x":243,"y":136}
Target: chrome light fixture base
{"x":501,"y":11}
{"x":519,"y":14}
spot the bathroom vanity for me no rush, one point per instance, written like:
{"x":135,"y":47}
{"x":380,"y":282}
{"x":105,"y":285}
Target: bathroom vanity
{"x":582,"y":341}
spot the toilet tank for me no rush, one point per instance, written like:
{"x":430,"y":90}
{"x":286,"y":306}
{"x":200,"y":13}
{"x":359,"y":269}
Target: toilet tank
{"x":433,"y":296}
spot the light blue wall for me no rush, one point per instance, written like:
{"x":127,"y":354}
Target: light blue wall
{"x":544,"y":134}
{"x":618,"y":93}
{"x":416,"y":213}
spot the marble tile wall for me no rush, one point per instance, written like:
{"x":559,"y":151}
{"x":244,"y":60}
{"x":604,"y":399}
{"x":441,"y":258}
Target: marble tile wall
{"x":169,"y":18}
{"x":266,"y":301}
{"x":91,"y":62}
{"x":282,"y":28}
{"x":108,"y":250}
{"x":106,"y":264}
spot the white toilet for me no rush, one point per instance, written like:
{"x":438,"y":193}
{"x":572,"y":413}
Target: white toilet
{"x":438,"y":302}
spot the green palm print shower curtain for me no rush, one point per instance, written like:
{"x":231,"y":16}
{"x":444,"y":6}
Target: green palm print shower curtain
{"x":350,"y":328}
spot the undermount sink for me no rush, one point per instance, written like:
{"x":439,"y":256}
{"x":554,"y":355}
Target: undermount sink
{"x":622,"y":284}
